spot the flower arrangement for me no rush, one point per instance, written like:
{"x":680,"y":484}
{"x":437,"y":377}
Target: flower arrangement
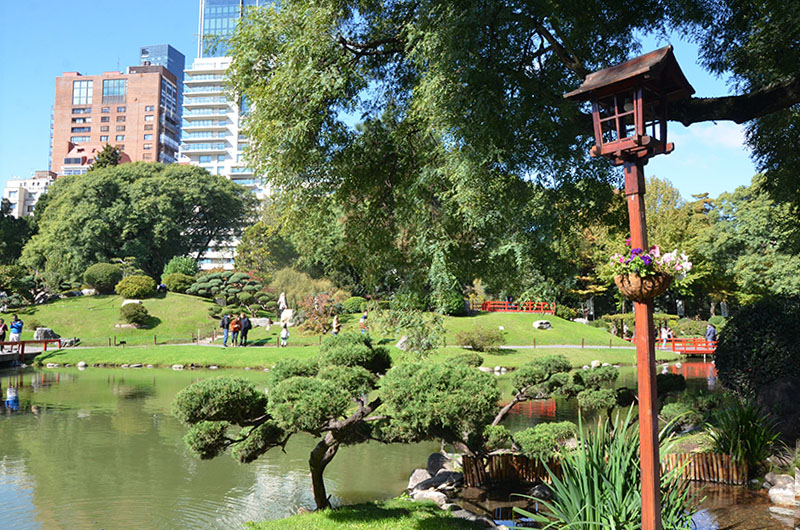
{"x":642,"y":275}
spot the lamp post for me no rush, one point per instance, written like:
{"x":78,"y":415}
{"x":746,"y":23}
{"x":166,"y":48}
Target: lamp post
{"x":629,"y":115}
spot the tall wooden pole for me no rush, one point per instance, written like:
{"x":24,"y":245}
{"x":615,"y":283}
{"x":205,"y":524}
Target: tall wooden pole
{"x":645,"y":359}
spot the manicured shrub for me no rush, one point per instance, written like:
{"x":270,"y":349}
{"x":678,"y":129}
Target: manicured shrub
{"x":718,"y":322}
{"x":138,"y":286}
{"x":134,"y":314}
{"x":354,"y":349}
{"x":480,"y":339}
{"x":102,"y":277}
{"x":545,"y":440}
{"x":472,"y":358}
{"x":177,"y":282}
{"x":497,"y":437}
{"x":180,"y":265}
{"x":454,"y":304}
{"x":353,"y":304}
{"x":682,"y":414}
{"x":686,"y":327}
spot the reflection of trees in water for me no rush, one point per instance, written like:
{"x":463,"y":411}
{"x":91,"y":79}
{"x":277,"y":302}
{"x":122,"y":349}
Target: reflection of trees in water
{"x":133,"y":391}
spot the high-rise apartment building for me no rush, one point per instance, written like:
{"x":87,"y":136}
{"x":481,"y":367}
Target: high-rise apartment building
{"x":135,"y":111}
{"x":218,"y":19}
{"x":170,"y":58}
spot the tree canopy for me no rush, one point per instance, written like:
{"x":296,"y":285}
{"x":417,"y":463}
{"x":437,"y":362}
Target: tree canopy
{"x":146,"y":211}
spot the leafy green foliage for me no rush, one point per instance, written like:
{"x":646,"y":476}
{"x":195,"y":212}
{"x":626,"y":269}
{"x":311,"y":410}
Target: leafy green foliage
{"x":102,"y":277}
{"x":110,"y":156}
{"x":298,"y":285}
{"x":15,"y":233}
{"x":181,"y":265}
{"x":354,"y":349}
{"x":206,"y":439}
{"x":228,"y":399}
{"x":473,"y":359}
{"x":424,"y":331}
{"x":746,"y":432}
{"x":177,"y":282}
{"x":262,"y":249}
{"x":759,"y":345}
{"x":137,"y":286}
{"x":544,"y":441}
{"x":306,"y":403}
{"x":290,"y":367}
{"x":135,"y":314}
{"x":601,"y":483}
{"x":236,"y":288}
{"x":681,"y":414}
{"x":497,"y":437}
{"x":453,"y":304}
{"x":353,"y":304}
{"x":480,"y":339}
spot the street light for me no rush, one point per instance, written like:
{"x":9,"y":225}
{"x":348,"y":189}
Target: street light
{"x":629,"y":114}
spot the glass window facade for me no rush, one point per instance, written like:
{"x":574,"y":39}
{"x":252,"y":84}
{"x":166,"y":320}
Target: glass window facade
{"x":82,"y":92}
{"x":114,"y":90}
{"x":218,"y":20}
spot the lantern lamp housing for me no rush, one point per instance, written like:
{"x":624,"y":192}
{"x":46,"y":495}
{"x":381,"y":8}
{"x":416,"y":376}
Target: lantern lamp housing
{"x":629,"y":105}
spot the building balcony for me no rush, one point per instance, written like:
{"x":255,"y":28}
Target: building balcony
{"x":169,"y":142}
{"x":208,"y":89}
{"x":243,"y":171}
{"x":193,"y":78}
{"x":204,"y":125}
{"x":204,"y":148}
{"x":205,"y":114}
{"x":212,"y":101}
{"x":201,"y":137}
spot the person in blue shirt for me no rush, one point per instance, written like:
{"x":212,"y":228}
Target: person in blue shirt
{"x":711,"y":332}
{"x":16,"y":330}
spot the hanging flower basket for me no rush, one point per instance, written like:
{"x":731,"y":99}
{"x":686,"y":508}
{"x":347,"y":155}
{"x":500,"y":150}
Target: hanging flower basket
{"x":641,"y":289}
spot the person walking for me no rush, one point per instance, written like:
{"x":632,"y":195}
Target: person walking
{"x":236,"y":327}
{"x":225,"y":323}
{"x":284,"y":334}
{"x":711,"y":332}
{"x":246,"y":326}
{"x":664,"y":335}
{"x":363,"y":323}
{"x":16,"y":330}
{"x":335,"y":327}
{"x":3,"y":332}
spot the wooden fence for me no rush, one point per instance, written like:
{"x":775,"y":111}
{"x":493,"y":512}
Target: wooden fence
{"x":512,"y":468}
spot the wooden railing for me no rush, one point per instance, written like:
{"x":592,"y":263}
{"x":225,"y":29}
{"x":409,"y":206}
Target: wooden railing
{"x":20,"y":345}
{"x":694,"y":346}
{"x":526,"y":307}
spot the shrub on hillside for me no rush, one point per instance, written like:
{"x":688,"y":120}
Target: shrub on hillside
{"x":134,"y":314}
{"x":181,"y":265}
{"x":138,"y":286}
{"x":102,"y":277}
{"x":353,"y":304}
{"x":177,"y":282}
{"x":454,"y":304}
{"x":567,"y":313}
{"x":234,"y":288}
{"x":480,"y":339}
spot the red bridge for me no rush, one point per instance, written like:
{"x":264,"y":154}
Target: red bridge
{"x":526,"y":307}
{"x":694,"y":346}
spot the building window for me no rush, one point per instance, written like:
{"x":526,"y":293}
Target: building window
{"x":121,"y":147}
{"x":105,"y":110}
{"x":104,"y":128}
{"x":12,"y":194}
{"x":120,"y":128}
{"x":72,"y":161}
{"x":81,"y":111}
{"x":114,"y":90}
{"x":104,"y":138}
{"x":147,"y":156}
{"x":220,"y":170}
{"x":81,"y":129}
{"x":148,"y":127}
{"x":149,"y":108}
{"x":220,"y":158}
{"x":82,"y":92}
{"x":205,"y":159}
{"x":105,"y":119}
{"x":148,"y":136}
{"x":30,"y":209}
{"x":120,"y":109}
{"x":120,"y":138}
{"x":147,"y":146}
{"x":120,"y":118}
{"x":149,"y":117}
{"x":79,"y":139}
{"x":82,"y":120}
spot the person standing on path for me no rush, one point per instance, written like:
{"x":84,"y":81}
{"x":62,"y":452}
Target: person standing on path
{"x":225,"y":323}
{"x":284,"y":334}
{"x":236,"y":327}
{"x":3,"y":331}
{"x":711,"y":332}
{"x":246,"y":325}
{"x":16,"y":330}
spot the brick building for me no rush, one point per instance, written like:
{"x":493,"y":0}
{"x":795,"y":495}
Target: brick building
{"x":136,"y":111}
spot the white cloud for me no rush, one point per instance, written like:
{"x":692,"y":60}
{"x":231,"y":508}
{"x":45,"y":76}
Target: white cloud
{"x":725,"y":135}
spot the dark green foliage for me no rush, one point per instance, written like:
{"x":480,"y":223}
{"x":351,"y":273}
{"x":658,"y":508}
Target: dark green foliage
{"x":473,"y":359}
{"x":597,"y":377}
{"x":228,"y":399}
{"x":353,"y":304}
{"x":666,"y":383}
{"x":14,"y":232}
{"x":136,"y":287}
{"x":567,"y":313}
{"x":206,"y":439}
{"x":681,"y":414}
{"x":409,"y":300}
{"x":177,"y":282}
{"x":538,"y":371}
{"x":597,"y":399}
{"x":545,"y":440}
{"x":110,"y":156}
{"x":306,"y":403}
{"x":102,"y":277}
{"x":290,"y":367}
{"x":181,"y":265}
{"x":480,"y":339}
{"x":134,"y":314}
{"x":497,"y":437}
{"x":759,"y":345}
{"x":718,"y":322}
{"x":354,"y":349}
{"x":746,"y":432}
{"x":353,"y":380}
{"x":259,"y":440}
{"x":235,"y":288}
{"x":453,"y":304}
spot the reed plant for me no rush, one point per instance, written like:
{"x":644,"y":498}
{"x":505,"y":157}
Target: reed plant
{"x":746,"y":432}
{"x":600,"y":485}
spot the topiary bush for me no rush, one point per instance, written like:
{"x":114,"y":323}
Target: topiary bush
{"x":480,"y":339}
{"x":134,"y":314}
{"x":177,"y":282}
{"x":353,"y":304}
{"x":181,"y":265}
{"x":759,"y":345}
{"x":138,"y":286}
{"x":545,"y":440}
{"x":102,"y":277}
{"x":472,"y":358}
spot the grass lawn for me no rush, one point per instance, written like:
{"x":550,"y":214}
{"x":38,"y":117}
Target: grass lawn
{"x":394,"y":514}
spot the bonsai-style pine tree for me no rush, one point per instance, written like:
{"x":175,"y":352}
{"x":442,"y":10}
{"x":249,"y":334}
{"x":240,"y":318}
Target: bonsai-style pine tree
{"x":338,"y":399}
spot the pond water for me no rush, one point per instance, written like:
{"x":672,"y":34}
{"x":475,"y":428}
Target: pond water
{"x":99,"y":449}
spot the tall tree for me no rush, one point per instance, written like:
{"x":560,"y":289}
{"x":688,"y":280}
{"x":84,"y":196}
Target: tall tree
{"x":110,"y":156}
{"x":14,"y":233}
{"x":147,"y":211}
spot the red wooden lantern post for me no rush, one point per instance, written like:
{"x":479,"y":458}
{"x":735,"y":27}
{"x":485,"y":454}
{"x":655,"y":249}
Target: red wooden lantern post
{"x":629,"y":113}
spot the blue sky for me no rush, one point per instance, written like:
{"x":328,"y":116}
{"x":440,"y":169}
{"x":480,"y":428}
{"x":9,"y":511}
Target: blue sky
{"x":42,"y":39}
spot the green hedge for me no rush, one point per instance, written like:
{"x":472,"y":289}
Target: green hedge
{"x":102,"y":277}
{"x":137,"y":286}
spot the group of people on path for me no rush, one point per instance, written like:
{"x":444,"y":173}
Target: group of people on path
{"x":237,"y":327}
{"x":16,"y":331}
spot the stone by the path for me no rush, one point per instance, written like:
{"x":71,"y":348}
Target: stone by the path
{"x":45,"y":333}
{"x":88,"y":292}
{"x":213,"y":367}
{"x":430,"y":495}
{"x":542,"y":324}
{"x":177,"y":367}
{"x":782,"y":493}
{"x":136,"y":365}
{"x":130,"y":301}
{"x":82,"y":364}
{"x":485,"y":369}
{"x":402,"y":344}
{"x":68,"y":343}
{"x":259,"y":322}
{"x":595,"y":364}
{"x":419,"y":475}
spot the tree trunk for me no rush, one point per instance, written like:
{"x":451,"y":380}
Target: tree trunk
{"x":713,"y":308}
{"x":321,"y":456}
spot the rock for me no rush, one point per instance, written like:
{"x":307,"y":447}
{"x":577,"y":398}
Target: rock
{"x":442,"y":481}
{"x":419,"y":475}
{"x":82,"y":364}
{"x":595,"y":364}
{"x":68,"y":343}
{"x":606,"y":364}
{"x":780,"y":510}
{"x":485,"y":369}
{"x":213,"y":367}
{"x":430,"y":495}
{"x":782,"y":493}
{"x":469,"y":516}
{"x":770,"y":478}
{"x":137,"y":365}
{"x":783,"y":481}
{"x":287,"y":317}
{"x":541,"y":491}
{"x":127,"y":326}
{"x":177,"y":367}
{"x":497,"y":368}
{"x":259,"y":322}
{"x":131,"y":301}
{"x":45,"y":333}
{"x":581,"y":320}
{"x":449,"y":507}
{"x":124,"y":365}
{"x":436,"y":462}
{"x":67,"y":365}
{"x":149,"y":366}
{"x":81,"y":368}
{"x":585,"y":367}
{"x":402,"y":344}
{"x":88,"y":292}
{"x":542,"y":324}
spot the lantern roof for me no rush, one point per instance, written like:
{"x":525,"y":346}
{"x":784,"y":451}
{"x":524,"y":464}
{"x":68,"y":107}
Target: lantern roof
{"x":657,"y":70}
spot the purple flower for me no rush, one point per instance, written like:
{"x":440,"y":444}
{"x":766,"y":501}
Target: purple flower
{"x":647,"y":259}
{"x":635,"y":252}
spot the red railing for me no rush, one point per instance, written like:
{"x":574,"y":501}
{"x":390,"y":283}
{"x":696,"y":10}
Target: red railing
{"x":694,"y":346}
{"x":527,"y":307}
{"x":20,"y":345}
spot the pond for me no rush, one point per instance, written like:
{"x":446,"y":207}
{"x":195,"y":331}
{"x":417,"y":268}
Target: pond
{"x":99,"y":449}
